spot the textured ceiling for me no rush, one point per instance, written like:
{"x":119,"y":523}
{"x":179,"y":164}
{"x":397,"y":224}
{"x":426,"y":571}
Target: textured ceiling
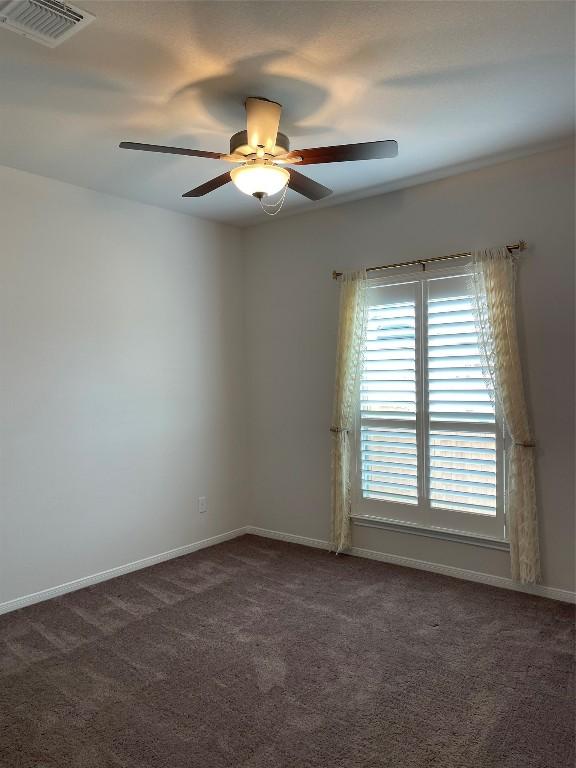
{"x":453,"y":82}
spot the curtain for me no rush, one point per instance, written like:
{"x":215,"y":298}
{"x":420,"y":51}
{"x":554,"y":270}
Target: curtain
{"x":351,"y":331}
{"x":492,"y":285}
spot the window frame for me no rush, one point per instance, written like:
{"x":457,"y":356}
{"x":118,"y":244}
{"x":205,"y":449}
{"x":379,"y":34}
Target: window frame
{"x":422,"y":515}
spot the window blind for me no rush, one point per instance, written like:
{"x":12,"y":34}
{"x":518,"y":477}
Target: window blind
{"x":388,"y":398}
{"x":462,"y":439}
{"x":428,"y":436}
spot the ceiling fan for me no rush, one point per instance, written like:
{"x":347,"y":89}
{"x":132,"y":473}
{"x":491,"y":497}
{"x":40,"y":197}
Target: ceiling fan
{"x":261,"y":151}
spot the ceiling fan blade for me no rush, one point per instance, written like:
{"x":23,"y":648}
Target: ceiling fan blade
{"x":262,"y":121}
{"x":369,"y":150}
{"x":209,"y":186}
{"x":170,"y":150}
{"x":307,"y":187}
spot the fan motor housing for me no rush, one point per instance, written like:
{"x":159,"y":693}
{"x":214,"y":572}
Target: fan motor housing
{"x":239,"y":144}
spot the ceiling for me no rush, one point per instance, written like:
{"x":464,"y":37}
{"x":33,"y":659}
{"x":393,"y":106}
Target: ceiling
{"x":454,"y":82}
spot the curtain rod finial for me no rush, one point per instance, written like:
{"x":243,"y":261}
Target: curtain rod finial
{"x":336,"y":275}
{"x":522,"y":245}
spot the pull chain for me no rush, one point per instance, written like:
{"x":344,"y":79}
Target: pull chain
{"x":274,"y":208}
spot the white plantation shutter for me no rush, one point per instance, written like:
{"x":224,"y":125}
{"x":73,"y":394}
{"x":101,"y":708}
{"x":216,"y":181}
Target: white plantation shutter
{"x":463,"y":471}
{"x":389,"y":464}
{"x":388,"y":396}
{"x":430,"y":449}
{"x":462,"y":438}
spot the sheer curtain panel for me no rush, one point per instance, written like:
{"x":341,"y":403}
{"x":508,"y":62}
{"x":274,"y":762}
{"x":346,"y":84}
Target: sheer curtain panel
{"x":492,"y":286}
{"x":351,"y":332}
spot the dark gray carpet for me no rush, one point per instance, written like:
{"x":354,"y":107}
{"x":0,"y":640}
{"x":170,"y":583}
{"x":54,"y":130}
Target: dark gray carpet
{"x":259,"y":654}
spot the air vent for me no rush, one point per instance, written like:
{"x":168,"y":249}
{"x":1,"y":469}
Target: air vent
{"x":47,"y":21}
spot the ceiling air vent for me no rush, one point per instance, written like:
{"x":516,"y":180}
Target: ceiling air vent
{"x":47,"y":21}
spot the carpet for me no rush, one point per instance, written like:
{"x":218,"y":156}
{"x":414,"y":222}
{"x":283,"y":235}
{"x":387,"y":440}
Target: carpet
{"x":261,"y":654}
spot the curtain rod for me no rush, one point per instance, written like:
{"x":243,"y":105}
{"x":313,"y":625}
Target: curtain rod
{"x":519,"y":246}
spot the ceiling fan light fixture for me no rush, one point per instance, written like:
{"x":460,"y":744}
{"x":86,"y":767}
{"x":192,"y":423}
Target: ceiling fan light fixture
{"x":260,"y":179}
{"x":262,"y":150}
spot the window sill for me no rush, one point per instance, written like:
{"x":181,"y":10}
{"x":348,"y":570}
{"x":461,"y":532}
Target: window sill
{"x":458,"y":537}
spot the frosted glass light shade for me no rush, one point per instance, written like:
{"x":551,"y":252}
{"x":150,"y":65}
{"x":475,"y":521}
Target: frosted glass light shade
{"x":260,"y":179}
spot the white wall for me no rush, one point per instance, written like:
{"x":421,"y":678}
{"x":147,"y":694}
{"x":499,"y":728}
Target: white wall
{"x":138,"y":345}
{"x":291,"y":330}
{"x":121,"y":381}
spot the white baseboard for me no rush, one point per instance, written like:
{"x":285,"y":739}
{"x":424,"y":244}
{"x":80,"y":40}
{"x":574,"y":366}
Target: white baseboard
{"x":458,"y":573}
{"x":502,"y":582}
{"x":291,"y":537}
{"x":120,"y":570}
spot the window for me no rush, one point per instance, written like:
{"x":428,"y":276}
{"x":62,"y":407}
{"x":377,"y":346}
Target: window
{"x":430,"y":446}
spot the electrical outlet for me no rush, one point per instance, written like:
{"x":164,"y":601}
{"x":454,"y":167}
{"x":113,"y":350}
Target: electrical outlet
{"x":202,"y":505}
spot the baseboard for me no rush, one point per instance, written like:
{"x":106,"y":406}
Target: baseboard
{"x":502,"y":582}
{"x":146,"y":562}
{"x":291,"y":537}
{"x":447,"y":570}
